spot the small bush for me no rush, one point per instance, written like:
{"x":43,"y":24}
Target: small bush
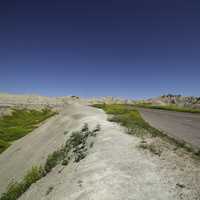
{"x":32,"y":176}
{"x":65,"y":162}
{"x":53,"y":159}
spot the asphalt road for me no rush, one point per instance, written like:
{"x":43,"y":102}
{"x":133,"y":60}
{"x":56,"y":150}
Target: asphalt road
{"x":182,"y":126}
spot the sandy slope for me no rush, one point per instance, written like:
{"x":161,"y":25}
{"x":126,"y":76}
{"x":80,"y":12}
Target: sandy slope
{"x":114,"y":168}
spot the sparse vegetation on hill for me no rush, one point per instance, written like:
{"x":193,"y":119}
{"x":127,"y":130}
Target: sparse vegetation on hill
{"x":20,"y":123}
{"x":16,"y":189}
{"x":74,"y":149}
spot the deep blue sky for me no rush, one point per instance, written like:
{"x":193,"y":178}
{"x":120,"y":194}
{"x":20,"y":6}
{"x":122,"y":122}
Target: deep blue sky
{"x":126,"y":48}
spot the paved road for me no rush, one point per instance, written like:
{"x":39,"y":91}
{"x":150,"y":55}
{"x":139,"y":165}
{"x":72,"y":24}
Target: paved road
{"x":183,"y":126}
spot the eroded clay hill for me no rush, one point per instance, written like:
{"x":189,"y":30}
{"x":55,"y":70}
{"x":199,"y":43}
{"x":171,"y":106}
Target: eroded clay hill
{"x":113,"y":168}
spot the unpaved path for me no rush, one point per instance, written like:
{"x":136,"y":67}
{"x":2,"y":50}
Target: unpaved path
{"x":114,"y":169}
{"x":183,"y":126}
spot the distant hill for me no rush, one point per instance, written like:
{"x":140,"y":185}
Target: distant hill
{"x":178,"y":100}
{"x":35,"y":101}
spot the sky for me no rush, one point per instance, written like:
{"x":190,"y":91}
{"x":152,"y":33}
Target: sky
{"x":122,"y":48}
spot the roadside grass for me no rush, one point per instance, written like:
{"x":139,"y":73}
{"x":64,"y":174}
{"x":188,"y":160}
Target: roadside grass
{"x":74,"y":149}
{"x":130,"y":118}
{"x":170,"y":107}
{"x":20,"y":123}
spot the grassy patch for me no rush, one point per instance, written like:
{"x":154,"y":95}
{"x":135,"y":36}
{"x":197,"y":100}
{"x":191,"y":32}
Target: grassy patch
{"x":3,"y":145}
{"x":170,"y":107}
{"x":53,"y":159}
{"x":75,"y":148}
{"x":16,"y":189}
{"x":129,"y":117}
{"x":20,"y":123}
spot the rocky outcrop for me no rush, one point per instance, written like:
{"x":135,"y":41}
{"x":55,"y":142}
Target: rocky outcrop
{"x":182,"y":101}
{"x":35,"y":101}
{"x":110,"y":100}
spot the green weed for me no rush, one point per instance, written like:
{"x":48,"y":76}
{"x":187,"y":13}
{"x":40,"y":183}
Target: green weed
{"x":20,"y":123}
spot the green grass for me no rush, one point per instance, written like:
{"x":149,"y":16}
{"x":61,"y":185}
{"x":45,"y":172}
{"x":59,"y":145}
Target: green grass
{"x":129,"y":117}
{"x":53,"y":159}
{"x":3,"y":145}
{"x":16,"y":189}
{"x":75,"y":147}
{"x":20,"y":123}
{"x":170,"y":107}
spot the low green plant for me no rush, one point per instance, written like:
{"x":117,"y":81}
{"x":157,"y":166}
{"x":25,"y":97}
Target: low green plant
{"x":75,"y":145}
{"x":20,"y":123}
{"x":129,"y":116}
{"x":16,"y":189}
{"x":3,"y":145}
{"x":53,"y":159}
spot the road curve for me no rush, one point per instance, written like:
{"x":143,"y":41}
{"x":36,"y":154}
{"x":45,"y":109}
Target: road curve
{"x":182,"y":126}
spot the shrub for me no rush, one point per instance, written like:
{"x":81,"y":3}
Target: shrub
{"x":53,"y":159}
{"x":32,"y":176}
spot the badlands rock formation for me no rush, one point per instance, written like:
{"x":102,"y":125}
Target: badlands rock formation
{"x":114,"y":168}
{"x":182,"y":101}
{"x":36,"y":101}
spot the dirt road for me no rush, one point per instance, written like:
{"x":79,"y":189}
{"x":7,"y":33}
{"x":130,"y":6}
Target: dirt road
{"x":183,"y":126}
